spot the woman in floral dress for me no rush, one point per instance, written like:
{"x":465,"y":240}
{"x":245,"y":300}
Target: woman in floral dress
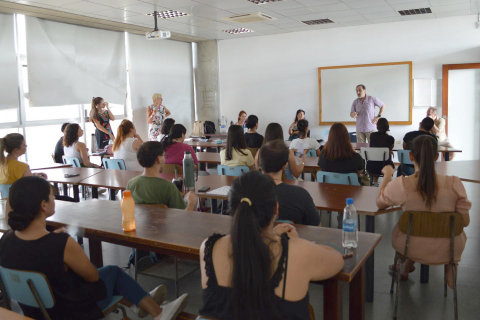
{"x":156,"y":113}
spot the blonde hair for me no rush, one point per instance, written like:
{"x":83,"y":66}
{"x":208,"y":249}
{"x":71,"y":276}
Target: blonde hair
{"x":434,"y":110}
{"x":9,"y":143}
{"x":156,"y":96}
{"x":123,"y":129}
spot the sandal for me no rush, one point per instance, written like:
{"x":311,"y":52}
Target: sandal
{"x":402,"y":277}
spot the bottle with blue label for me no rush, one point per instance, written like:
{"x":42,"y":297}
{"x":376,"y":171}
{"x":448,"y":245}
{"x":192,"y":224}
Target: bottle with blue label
{"x":350,"y":231}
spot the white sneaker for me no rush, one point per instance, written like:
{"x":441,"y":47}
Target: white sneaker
{"x":159,"y":294}
{"x":171,"y":310}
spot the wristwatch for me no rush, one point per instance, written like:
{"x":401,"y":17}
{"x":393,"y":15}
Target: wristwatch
{"x":379,"y":116}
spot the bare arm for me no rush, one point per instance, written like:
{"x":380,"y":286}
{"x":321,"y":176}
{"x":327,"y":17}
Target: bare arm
{"x":323,"y":262}
{"x":167,"y":112}
{"x":110,"y":113}
{"x":99,"y":126}
{"x":77,"y":260}
{"x":84,"y":154}
{"x":353,"y":114}
{"x":149,"y":115}
{"x":290,"y":130}
{"x":191,"y":199}
{"x":137,"y":143}
{"x":387,"y":172}
{"x":28,"y":173}
{"x":295,"y":169}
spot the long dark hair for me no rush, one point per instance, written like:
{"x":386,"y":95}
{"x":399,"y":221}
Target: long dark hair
{"x":175,"y":133}
{"x":235,"y":139}
{"x":302,"y":126}
{"x":36,"y":190}
{"x":94,"y":115}
{"x":382,"y":125}
{"x":424,"y":150}
{"x":252,"y":121}
{"x":274,"y":131}
{"x":296,"y":114}
{"x":71,"y":134}
{"x":252,"y":260}
{"x":338,"y":145}
{"x":167,"y":126}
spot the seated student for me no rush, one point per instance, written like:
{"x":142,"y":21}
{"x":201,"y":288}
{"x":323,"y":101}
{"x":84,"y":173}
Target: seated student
{"x":236,"y":153}
{"x":252,"y":138}
{"x":174,"y":146}
{"x":126,"y":145}
{"x":258,"y":271}
{"x":296,"y":204}
{"x":58,"y":153}
{"x":425,"y":191}
{"x":166,"y":127}
{"x":80,"y":290}
{"x":74,"y":148}
{"x":150,"y":188}
{"x":338,"y":154}
{"x":380,"y":139}
{"x":303,"y":143}
{"x":293,"y":170}
{"x":425,"y":128}
{"x":13,"y":144}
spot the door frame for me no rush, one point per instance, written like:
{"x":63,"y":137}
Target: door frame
{"x":446,"y":68}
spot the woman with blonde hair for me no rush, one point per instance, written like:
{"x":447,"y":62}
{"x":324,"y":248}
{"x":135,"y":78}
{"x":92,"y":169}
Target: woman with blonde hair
{"x":74,"y":148}
{"x":156,"y":114}
{"x":126,"y":145}
{"x":100,"y":115}
{"x":13,"y":144}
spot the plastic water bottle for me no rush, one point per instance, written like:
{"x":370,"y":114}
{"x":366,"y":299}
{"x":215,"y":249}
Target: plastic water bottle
{"x":223,"y":125}
{"x":350,"y":232}
{"x":188,"y":171}
{"x":128,"y":211}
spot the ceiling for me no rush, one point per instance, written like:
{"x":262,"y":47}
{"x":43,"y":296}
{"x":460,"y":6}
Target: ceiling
{"x":204,"y":20}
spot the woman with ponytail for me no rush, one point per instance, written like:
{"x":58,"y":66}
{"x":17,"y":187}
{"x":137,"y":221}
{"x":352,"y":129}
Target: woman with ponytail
{"x":174,"y":146}
{"x":126,"y":145}
{"x":425,"y":191}
{"x":101,"y":115}
{"x":258,"y":271}
{"x":81,"y":291}
{"x":13,"y":144}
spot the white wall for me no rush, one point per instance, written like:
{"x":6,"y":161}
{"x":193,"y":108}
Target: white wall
{"x":273,"y":76}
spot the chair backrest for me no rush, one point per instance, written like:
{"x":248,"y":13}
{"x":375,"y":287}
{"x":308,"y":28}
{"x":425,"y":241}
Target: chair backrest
{"x":431,"y":224}
{"x":312,"y":153}
{"x":253,"y":151}
{"x":170,"y":168}
{"x":375,"y":154}
{"x":74,"y":161}
{"x":232,"y":171}
{"x":5,"y":190}
{"x":22,"y":286}
{"x":325,"y":133}
{"x":353,"y":136}
{"x":403,"y":156}
{"x":118,"y":164}
{"x":338,"y":178}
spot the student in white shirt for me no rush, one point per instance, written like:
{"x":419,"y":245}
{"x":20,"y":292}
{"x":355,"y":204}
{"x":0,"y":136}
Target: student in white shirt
{"x":236,"y":152}
{"x":126,"y":145}
{"x":303,"y":144}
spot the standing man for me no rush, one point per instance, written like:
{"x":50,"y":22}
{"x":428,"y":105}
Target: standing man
{"x":363,"y":109}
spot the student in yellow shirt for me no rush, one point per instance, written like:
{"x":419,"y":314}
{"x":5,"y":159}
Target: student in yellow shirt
{"x":236,"y":152}
{"x":10,"y":168}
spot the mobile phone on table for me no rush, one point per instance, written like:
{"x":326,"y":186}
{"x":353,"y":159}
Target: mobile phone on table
{"x":204,"y":189}
{"x":67,"y":175}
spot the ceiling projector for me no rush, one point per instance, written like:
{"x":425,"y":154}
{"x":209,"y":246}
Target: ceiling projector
{"x":157,"y":34}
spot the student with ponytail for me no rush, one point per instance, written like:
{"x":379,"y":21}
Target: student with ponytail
{"x":425,"y":191}
{"x":13,"y":144}
{"x":126,"y":145}
{"x":303,"y":143}
{"x":174,"y":146}
{"x":258,"y":271}
{"x":101,"y":115}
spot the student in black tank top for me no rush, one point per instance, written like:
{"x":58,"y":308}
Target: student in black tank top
{"x":80,"y":290}
{"x":258,"y":271}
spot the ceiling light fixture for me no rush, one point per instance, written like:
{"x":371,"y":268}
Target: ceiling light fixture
{"x":168,"y":14}
{"x":319,"y":21}
{"x":238,"y":31}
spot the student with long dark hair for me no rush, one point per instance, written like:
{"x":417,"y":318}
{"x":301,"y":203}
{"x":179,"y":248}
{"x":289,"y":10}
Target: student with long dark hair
{"x":236,"y":152}
{"x":80,"y":290}
{"x":100,"y":115}
{"x":74,"y":148}
{"x":166,"y":127}
{"x":303,"y":143}
{"x":293,"y":129}
{"x":174,"y":146}
{"x":380,"y":139}
{"x":425,"y":190}
{"x":58,"y":153}
{"x":252,"y":137}
{"x":258,"y":271}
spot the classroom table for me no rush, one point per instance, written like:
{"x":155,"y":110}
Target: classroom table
{"x":180,"y":233}
{"x":208,"y":144}
{"x":50,"y":166}
{"x":466,"y":170}
{"x":399,"y":146}
{"x":57,"y":175}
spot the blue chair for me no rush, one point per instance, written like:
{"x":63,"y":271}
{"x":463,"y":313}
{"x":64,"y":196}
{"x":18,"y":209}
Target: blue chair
{"x":312,"y":153}
{"x":4,"y":190}
{"x":232,"y":171}
{"x":33,"y":289}
{"x":353,"y":136}
{"x":325,"y":133}
{"x":404,"y":159}
{"x":118,"y":164}
{"x":74,"y":161}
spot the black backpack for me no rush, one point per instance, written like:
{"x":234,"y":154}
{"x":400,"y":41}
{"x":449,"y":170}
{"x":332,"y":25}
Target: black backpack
{"x":209,"y":127}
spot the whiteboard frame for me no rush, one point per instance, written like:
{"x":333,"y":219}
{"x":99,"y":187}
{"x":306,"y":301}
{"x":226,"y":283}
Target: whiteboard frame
{"x":409,"y":63}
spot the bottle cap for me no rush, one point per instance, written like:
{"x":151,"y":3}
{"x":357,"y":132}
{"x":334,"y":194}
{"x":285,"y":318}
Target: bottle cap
{"x":187,"y":152}
{"x":127,"y":193}
{"x":349,"y":200}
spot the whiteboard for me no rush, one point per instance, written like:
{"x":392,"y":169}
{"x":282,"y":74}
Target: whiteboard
{"x":389,"y":82}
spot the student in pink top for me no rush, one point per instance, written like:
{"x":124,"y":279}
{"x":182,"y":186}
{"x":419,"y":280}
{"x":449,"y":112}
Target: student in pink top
{"x":174,"y":146}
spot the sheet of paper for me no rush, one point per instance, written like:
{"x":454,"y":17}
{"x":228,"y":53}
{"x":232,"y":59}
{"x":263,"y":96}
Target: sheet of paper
{"x":221,"y":191}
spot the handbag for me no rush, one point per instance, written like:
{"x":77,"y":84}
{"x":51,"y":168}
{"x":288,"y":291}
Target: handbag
{"x":197,"y":129}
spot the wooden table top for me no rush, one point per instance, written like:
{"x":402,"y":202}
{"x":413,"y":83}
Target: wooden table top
{"x":179,"y":231}
{"x":50,"y":166}
{"x":57,"y":175}
{"x":208,"y":157}
{"x":10,"y":315}
{"x":207,"y":144}
{"x":325,"y":196}
{"x":399,"y":146}
{"x":117,"y":179}
{"x":466,"y":170}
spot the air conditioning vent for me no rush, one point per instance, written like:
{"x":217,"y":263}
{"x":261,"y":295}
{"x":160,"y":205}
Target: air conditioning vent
{"x":249,"y":17}
{"x":262,"y":1}
{"x":320,"y":21}
{"x":238,"y":31}
{"x":411,"y":12}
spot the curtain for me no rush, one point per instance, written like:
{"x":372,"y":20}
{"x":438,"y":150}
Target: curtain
{"x":8,"y":64}
{"x":69,"y":64}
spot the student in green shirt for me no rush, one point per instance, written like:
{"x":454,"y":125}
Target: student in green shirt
{"x":149,"y":188}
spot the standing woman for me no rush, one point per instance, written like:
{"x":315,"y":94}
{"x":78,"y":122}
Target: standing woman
{"x":242,"y":118}
{"x":293,"y":130}
{"x":156,"y":114}
{"x":101,"y":115}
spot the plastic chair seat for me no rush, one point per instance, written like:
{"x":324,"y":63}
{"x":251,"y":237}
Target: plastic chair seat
{"x":117,"y":164}
{"x":115,"y":300}
{"x":74,"y":161}
{"x":232,"y":171}
{"x":5,"y":190}
{"x":338,"y":178}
